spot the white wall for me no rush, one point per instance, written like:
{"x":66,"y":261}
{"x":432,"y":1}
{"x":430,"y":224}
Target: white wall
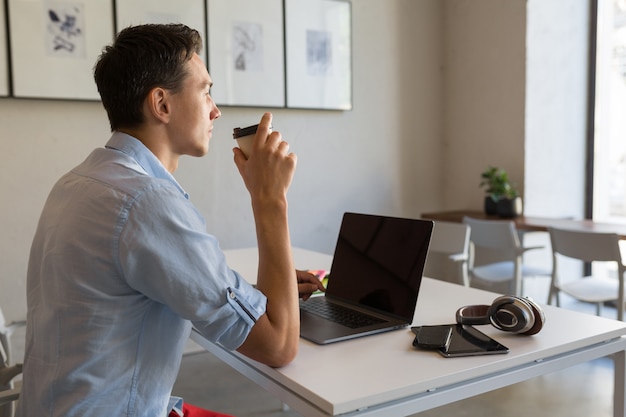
{"x":484,"y":95}
{"x":385,"y":156}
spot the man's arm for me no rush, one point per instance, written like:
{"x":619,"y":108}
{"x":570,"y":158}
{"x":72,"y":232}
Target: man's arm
{"x":267,"y":174}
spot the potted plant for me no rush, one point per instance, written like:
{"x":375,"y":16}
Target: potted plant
{"x":502,"y":198}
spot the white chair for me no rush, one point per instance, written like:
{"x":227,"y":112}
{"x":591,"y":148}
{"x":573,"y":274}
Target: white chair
{"x":448,"y":253}
{"x":496,"y":256}
{"x":9,"y":394}
{"x":592,"y":247}
{"x":6,"y":330}
{"x":7,"y":397}
{"x":8,"y":371}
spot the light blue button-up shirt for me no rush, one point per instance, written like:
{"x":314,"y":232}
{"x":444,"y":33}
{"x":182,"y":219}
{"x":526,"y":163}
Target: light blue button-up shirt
{"x":120,"y":268}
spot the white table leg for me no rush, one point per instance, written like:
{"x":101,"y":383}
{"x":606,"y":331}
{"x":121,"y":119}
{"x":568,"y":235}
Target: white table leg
{"x":619,"y":394}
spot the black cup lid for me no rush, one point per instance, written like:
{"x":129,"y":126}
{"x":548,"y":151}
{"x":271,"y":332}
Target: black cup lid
{"x":240,"y":132}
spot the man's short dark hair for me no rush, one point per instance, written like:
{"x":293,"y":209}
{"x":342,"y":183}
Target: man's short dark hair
{"x":142,"y":58}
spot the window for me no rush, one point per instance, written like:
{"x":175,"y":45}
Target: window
{"x":609,"y":149}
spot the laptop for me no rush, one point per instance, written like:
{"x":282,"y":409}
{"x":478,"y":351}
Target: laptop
{"x":376,"y":274}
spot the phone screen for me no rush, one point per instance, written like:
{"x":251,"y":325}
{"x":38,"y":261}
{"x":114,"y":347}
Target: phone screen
{"x":469,"y":341}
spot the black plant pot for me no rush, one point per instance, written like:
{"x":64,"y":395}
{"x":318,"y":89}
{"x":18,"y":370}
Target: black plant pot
{"x":509,"y":207}
{"x":491,"y":207}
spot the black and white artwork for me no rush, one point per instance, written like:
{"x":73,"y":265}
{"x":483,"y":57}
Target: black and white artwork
{"x":247,"y":46}
{"x":54,"y":46}
{"x":246,"y":52}
{"x":319,"y":54}
{"x":64,"y":35}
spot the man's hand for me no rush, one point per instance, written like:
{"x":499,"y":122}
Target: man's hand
{"x":308,"y":284}
{"x":269,"y":169}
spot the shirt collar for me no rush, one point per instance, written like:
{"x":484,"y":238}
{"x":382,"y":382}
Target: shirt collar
{"x":136,"y":150}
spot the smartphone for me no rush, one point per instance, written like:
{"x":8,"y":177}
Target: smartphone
{"x":469,"y":341}
{"x":433,"y":337}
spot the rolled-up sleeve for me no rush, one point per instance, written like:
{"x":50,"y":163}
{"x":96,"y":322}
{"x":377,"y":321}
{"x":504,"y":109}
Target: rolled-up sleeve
{"x":228,"y":329}
{"x":232,"y":330}
{"x":244,"y":305}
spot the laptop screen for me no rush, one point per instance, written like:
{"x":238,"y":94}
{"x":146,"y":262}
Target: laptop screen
{"x":379,"y":262}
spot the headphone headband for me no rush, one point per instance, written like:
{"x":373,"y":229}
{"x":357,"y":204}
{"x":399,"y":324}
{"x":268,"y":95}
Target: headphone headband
{"x":473,"y":315}
{"x":507,"y":313}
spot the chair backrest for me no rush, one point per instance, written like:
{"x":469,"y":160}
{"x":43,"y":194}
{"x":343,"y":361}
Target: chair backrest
{"x":4,"y":341}
{"x":493,"y":240}
{"x":450,"y":238}
{"x":493,"y":234}
{"x":3,"y":321}
{"x":586,"y":246}
{"x":6,"y":330}
{"x":448,"y":252}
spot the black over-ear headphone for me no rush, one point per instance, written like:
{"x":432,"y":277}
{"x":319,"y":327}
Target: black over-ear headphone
{"x":508,"y":313}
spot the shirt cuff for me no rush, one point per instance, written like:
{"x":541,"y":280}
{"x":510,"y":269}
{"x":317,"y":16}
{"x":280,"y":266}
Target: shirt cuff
{"x":249,"y":310}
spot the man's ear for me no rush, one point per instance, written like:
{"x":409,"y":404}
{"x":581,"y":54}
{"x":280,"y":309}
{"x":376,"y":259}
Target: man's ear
{"x":158,"y":104}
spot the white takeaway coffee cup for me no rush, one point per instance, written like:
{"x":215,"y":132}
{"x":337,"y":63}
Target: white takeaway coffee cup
{"x":244,"y":137}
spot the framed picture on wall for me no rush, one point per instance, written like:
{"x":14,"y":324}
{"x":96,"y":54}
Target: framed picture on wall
{"x":4,"y":57}
{"x":188,"y":12}
{"x":54,"y":46}
{"x":246,"y":52}
{"x":319,"y":54}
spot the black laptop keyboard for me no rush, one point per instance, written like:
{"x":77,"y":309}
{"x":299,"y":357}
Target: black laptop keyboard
{"x":340,"y":314}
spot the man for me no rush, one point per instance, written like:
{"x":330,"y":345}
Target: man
{"x":121,"y":264}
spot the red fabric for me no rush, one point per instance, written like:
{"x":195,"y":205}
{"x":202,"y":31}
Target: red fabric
{"x":193,"y":411}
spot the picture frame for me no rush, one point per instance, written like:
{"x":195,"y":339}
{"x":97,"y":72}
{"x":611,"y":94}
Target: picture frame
{"x":318,"y":45}
{"x":189,"y":12}
{"x":54,"y":46}
{"x":246,"y":52}
{"x":4,"y":54}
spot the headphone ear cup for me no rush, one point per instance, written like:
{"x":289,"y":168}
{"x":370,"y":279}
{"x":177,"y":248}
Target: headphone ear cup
{"x":473,"y":315}
{"x":517,"y":315}
{"x":507,"y":313}
{"x":539,"y":316}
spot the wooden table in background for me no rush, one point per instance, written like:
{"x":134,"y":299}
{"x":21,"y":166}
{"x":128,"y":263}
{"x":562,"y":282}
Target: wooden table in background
{"x":531,"y":223}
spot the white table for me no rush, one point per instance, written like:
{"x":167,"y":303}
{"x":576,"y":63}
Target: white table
{"x":383,"y":375}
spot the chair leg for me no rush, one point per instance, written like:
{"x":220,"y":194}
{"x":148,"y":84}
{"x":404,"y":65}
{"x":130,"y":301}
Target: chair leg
{"x":553,"y":293}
